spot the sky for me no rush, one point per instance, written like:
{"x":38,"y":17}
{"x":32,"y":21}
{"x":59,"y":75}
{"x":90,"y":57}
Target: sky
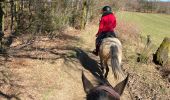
{"x":160,"y":0}
{"x":164,"y":0}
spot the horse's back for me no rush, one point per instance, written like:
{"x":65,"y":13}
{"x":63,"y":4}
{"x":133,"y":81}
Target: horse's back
{"x":111,"y":41}
{"x":106,"y":45}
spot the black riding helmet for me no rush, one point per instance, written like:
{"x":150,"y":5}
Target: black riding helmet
{"x":107,"y":9}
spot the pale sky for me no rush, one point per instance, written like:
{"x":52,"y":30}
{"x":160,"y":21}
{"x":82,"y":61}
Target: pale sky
{"x":164,"y":0}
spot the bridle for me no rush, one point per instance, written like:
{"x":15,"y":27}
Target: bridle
{"x":108,"y":89}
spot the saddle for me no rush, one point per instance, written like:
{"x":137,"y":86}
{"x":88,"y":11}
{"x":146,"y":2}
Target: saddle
{"x":105,"y":35}
{"x":100,"y":38}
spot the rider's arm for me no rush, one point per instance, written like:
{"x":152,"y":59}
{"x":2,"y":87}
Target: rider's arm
{"x":101,"y":25}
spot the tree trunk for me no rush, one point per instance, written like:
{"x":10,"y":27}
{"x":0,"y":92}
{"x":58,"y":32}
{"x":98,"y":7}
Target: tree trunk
{"x":12,"y":15}
{"x":162,"y":55}
{"x":17,"y":14}
{"x":84,"y":14}
{"x":1,"y":16}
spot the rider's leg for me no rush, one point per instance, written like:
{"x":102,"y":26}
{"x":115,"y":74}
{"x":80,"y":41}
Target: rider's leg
{"x":98,"y":42}
{"x":95,"y":51}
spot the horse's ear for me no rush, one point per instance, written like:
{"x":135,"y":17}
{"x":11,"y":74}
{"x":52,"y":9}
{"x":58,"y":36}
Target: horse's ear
{"x":119,"y":88}
{"x":87,"y":85}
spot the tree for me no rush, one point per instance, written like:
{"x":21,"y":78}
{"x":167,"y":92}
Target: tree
{"x":2,"y":12}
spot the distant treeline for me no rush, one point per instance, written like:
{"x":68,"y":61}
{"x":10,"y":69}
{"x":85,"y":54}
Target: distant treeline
{"x":154,"y":6}
{"x":45,"y":16}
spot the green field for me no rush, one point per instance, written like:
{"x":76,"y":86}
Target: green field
{"x":157,"y":25}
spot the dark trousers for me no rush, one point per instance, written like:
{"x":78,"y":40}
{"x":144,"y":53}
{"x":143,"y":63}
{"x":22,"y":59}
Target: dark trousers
{"x":100,"y":38}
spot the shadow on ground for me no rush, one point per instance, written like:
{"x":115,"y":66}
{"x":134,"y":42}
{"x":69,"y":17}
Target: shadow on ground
{"x":89,"y":63}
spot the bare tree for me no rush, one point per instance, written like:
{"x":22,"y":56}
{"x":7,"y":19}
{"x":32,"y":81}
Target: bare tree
{"x":2,"y":15}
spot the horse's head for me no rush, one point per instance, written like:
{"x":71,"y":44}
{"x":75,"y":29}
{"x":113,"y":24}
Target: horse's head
{"x":103,"y":91}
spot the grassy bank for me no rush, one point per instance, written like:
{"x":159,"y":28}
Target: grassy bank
{"x":156,"y":25}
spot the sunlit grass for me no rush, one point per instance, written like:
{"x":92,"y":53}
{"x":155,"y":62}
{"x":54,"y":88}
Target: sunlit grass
{"x":156,"y":25}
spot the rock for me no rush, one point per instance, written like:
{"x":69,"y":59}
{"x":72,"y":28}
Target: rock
{"x":162,"y":55}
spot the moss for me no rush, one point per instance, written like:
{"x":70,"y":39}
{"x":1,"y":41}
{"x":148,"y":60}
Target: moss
{"x":162,"y":54}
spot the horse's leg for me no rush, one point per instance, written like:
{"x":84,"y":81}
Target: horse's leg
{"x":102,"y":65}
{"x":107,"y":69}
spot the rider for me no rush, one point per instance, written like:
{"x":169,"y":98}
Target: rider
{"x":106,"y":27}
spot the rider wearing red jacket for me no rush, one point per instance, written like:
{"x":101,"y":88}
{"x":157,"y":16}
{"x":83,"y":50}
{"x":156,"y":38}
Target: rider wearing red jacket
{"x":106,"y":27}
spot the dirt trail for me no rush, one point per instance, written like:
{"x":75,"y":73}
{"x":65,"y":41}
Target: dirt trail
{"x":50,"y":68}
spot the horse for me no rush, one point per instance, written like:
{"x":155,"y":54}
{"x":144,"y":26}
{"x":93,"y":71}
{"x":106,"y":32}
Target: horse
{"x":104,"y":91}
{"x":111,"y":48}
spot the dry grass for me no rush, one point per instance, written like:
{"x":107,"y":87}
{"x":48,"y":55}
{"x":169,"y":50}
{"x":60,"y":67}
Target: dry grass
{"x":128,"y":31}
{"x":146,"y":81}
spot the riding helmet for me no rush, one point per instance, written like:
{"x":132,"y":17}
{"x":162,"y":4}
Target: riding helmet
{"x":107,"y":9}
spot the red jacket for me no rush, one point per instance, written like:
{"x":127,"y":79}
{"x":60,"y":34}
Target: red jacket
{"x":107,"y":23}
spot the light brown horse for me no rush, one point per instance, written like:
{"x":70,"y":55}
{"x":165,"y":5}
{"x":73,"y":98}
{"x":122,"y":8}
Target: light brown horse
{"x":111,"y":48}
